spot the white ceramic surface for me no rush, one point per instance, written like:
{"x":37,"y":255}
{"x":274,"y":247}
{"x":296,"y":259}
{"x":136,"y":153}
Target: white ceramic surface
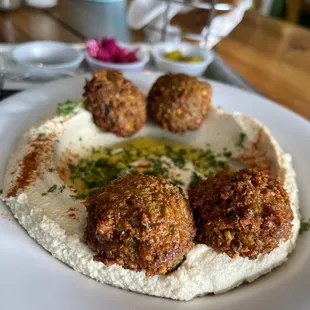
{"x":8,"y":5}
{"x":142,"y":55}
{"x":47,"y":58}
{"x":42,"y":4}
{"x":32,"y":279}
{"x":197,"y":68}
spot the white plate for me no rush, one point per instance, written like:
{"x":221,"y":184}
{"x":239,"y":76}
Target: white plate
{"x":47,"y":59}
{"x":30,"y":278}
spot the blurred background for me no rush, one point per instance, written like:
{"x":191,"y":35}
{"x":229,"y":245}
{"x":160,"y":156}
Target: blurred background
{"x":87,"y":17}
{"x":259,"y":45}
{"x":297,"y":11}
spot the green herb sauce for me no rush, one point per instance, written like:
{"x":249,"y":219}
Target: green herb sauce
{"x":106,"y":164}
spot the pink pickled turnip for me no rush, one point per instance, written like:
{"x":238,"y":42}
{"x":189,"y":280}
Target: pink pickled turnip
{"x":105,"y":42}
{"x":107,"y":50}
{"x":93,"y":46}
{"x":104,"y":55}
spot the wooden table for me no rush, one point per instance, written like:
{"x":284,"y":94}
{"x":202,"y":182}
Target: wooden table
{"x":272,"y":55}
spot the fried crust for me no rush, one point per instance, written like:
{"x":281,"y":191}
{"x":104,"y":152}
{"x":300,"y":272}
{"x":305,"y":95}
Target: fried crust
{"x":241,"y":214}
{"x":179,"y":102}
{"x":140,"y":223}
{"x":116,"y":104}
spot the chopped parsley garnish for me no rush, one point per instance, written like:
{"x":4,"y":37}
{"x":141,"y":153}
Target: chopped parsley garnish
{"x":241,"y":139}
{"x":67,"y":107}
{"x":177,"y":182}
{"x":41,"y":135}
{"x":227,"y":154}
{"x":103,"y":165}
{"x":50,"y":190}
{"x":80,"y":196}
{"x":95,"y":151}
{"x":178,"y":158}
{"x":158,"y":168}
{"x":195,"y":179}
{"x":304,"y":225}
{"x":61,"y":188}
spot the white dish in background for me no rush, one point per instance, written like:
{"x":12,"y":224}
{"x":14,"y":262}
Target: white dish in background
{"x":142,"y":55}
{"x":32,"y":279}
{"x":197,"y":68}
{"x":46,"y":59}
{"x":42,"y":4}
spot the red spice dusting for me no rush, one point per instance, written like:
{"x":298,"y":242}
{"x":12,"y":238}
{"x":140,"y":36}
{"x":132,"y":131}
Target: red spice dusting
{"x":62,"y":168}
{"x":71,"y":213}
{"x":6,"y":216}
{"x":72,"y":216}
{"x":40,"y":151}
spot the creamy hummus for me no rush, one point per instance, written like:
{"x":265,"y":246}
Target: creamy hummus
{"x":51,"y":214}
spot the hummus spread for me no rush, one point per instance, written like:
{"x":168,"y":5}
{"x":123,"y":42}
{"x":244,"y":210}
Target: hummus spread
{"x":44,"y":197}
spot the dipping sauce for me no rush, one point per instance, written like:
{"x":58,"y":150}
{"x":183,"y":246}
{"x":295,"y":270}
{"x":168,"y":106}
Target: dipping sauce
{"x":178,"y":56}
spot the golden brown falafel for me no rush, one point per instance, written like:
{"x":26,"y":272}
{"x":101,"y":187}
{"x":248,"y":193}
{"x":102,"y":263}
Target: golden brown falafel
{"x":179,"y":102}
{"x":141,"y":223}
{"x":115,"y":103}
{"x":241,"y":214}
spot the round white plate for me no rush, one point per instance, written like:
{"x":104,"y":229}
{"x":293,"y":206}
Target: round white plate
{"x":30,"y":278}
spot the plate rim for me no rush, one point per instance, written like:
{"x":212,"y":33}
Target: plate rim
{"x":268,"y":101}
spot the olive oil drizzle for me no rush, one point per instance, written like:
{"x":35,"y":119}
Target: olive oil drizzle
{"x":103,"y":165}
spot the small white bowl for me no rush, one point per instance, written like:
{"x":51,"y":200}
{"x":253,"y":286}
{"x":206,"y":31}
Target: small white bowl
{"x":196,"y":68}
{"x":46,"y":59}
{"x":142,"y":55}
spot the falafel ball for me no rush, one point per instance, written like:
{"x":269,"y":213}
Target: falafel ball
{"x":116,"y":104}
{"x":241,"y":214}
{"x":140,"y":222}
{"x":179,"y":102}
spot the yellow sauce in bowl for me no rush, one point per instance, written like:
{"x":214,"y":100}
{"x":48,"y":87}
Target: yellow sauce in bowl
{"x":178,"y":56}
